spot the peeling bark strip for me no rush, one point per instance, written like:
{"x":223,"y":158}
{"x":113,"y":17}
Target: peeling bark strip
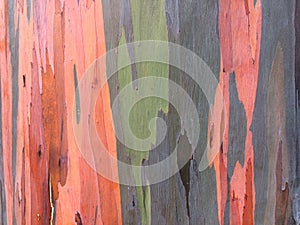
{"x":46,"y":46}
{"x":278,"y":198}
{"x":141,"y":20}
{"x":240,"y":37}
{"x":44,"y":173}
{"x":40,"y":209}
{"x":3,"y":213}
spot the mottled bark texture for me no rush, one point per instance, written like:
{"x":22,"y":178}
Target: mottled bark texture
{"x":251,"y":47}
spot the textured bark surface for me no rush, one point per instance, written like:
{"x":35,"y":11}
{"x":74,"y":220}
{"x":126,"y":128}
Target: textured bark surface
{"x":251,"y":47}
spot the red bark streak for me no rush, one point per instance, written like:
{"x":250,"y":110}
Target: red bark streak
{"x":59,"y":74}
{"x":240,"y":35}
{"x":5,"y":74}
{"x":248,"y":218}
{"x":59,"y":35}
{"x":40,"y":209}
{"x":234,"y":209}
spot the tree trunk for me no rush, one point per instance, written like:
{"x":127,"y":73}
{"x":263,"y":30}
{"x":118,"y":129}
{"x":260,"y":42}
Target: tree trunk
{"x":150,"y":112}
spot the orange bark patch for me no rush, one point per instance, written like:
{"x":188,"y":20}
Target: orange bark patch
{"x":56,"y":36}
{"x":51,"y":127}
{"x":248,"y":218}
{"x":40,"y":209}
{"x":240,"y":35}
